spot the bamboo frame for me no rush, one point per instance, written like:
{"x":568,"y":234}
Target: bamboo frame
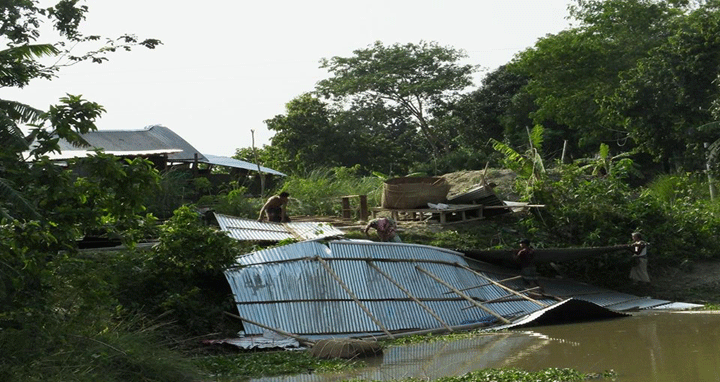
{"x":512,"y":291}
{"x":407,"y":292}
{"x":463,"y":295}
{"x":354,"y":297}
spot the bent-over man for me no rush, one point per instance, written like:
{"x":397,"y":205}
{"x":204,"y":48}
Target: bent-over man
{"x":275,"y":208}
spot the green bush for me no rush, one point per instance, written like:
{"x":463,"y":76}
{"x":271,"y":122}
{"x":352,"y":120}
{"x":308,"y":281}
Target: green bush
{"x":673,"y":213}
{"x":183,"y":275}
{"x":236,"y":202}
{"x":319,"y":192}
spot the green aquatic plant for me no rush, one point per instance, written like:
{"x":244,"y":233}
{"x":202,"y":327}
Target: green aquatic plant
{"x":515,"y":375}
{"x":269,"y":364}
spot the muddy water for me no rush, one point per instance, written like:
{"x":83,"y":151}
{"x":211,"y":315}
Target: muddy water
{"x":646,"y":347}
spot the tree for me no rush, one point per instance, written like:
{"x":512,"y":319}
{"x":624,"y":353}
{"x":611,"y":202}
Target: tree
{"x":45,"y":208}
{"x":302,"y":133}
{"x":670,"y":92}
{"x":414,"y":77}
{"x":573,"y":72}
{"x":313,"y":135}
{"x":20,"y":63}
{"x":480,"y":115}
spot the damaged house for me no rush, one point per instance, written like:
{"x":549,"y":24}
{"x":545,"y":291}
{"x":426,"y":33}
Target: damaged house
{"x":363,"y":289}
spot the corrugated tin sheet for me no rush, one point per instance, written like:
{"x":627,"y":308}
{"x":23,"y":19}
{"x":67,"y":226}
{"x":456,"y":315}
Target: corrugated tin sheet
{"x":150,"y":138}
{"x":314,"y":289}
{"x":252,"y":230}
{"x":293,"y":291}
{"x":236,"y":163}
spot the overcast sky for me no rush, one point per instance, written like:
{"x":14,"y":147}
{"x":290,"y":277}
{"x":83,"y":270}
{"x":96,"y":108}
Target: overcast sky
{"x":227,"y":66}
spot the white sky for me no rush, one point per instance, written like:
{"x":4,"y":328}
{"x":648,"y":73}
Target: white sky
{"x":227,"y":66}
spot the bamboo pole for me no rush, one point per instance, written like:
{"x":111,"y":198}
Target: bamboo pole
{"x":301,"y":340}
{"x":463,"y":295}
{"x":486,"y":284}
{"x":353,"y":296}
{"x":513,"y":291}
{"x":257,"y":161}
{"x":505,"y":298}
{"x":407,"y":292}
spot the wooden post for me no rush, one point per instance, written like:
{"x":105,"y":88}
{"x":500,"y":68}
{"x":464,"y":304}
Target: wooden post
{"x":346,"y":212}
{"x":257,"y":161}
{"x":497,"y":284}
{"x":363,"y":208}
{"x":709,"y":175}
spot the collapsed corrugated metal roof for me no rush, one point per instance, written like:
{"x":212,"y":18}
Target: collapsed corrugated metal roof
{"x":251,"y":230}
{"x":358,"y":288}
{"x":353,"y":288}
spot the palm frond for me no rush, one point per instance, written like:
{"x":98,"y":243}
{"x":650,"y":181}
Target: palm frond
{"x":11,"y":137}
{"x":536,"y":137}
{"x":12,"y":198}
{"x":20,"y":112}
{"x":30,"y":51}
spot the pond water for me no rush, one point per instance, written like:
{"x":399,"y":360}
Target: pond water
{"x":644,"y":347}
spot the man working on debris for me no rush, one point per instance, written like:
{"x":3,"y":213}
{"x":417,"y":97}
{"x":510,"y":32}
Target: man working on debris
{"x":526,"y":257}
{"x":385,"y":228}
{"x":275,"y":208}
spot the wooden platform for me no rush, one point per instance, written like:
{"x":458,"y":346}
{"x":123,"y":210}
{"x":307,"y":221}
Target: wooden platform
{"x":456,"y":213}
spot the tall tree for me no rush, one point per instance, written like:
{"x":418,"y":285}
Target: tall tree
{"x":312,"y":134}
{"x":414,"y":77}
{"x":480,"y":115}
{"x":669,"y":93}
{"x":572,"y":72}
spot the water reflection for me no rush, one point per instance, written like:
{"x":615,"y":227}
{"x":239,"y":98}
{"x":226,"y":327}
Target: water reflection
{"x":651,"y":346}
{"x":659,"y":347}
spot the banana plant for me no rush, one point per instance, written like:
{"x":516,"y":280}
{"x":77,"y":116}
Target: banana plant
{"x":528,"y":164}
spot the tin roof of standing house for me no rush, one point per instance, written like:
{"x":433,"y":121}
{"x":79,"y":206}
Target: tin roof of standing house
{"x":357,"y":288}
{"x":155,"y":137}
{"x":151,"y":140}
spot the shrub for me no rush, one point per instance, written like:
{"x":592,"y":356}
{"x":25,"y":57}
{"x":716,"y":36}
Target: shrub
{"x":183,"y":274}
{"x":319,"y":192}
